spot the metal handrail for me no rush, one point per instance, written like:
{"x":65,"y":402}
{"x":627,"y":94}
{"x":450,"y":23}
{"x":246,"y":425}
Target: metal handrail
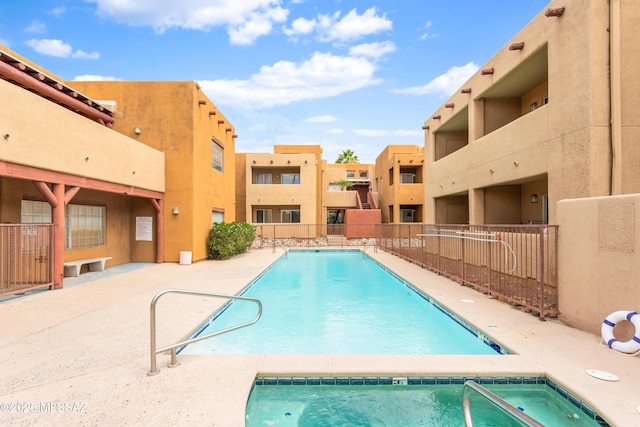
{"x":369,"y":244}
{"x":498,"y":402}
{"x":173,"y":347}
{"x":284,"y":248}
{"x":483,"y":237}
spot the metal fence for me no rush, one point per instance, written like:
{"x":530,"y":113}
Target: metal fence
{"x":26,"y":257}
{"x":515,"y":263}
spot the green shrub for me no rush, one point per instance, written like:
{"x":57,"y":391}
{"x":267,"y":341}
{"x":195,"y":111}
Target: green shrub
{"x":228,"y":239}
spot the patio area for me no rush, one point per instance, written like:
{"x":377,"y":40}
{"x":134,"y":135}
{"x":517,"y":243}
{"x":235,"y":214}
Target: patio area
{"x":80,"y":355}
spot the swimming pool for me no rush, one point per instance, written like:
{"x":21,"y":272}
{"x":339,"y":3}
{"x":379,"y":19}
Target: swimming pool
{"x":338,"y":302}
{"x":423,"y":401}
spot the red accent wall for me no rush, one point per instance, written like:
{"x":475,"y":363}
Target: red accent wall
{"x":360,"y":223}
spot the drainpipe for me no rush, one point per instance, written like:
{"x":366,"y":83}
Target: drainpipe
{"x":615,"y":102}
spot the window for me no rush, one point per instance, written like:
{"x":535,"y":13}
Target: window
{"x":545,"y":100}
{"x":217,"y":156}
{"x":407,"y":178}
{"x":290,"y":178}
{"x":290,"y":216}
{"x":35,"y":212}
{"x":263,"y":178}
{"x":263,"y":216}
{"x":407,"y":215}
{"x":84,"y":225}
{"x":363,"y":174}
{"x":217,"y":216}
{"x":351,"y":174}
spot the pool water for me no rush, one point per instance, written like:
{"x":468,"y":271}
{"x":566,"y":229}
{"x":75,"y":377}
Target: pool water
{"x":406,"y":405}
{"x":337,"y":302}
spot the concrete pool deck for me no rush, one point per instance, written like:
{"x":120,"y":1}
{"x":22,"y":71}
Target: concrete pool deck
{"x":80,"y":355}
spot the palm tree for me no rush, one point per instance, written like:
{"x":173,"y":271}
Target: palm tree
{"x":347,"y":156}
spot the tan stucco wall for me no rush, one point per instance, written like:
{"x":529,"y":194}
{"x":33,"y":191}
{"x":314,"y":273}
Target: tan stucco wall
{"x":264,"y":196}
{"x":598,"y":258}
{"x":174,"y":117}
{"x":316,"y":150}
{"x":241,"y":188}
{"x":566,"y":142}
{"x":44,"y":135}
{"x":394,"y":157}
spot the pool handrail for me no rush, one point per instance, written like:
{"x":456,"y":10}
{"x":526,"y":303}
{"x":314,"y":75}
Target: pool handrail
{"x":155,"y":351}
{"x":284,"y":248}
{"x":498,"y":402}
{"x":368,"y":244}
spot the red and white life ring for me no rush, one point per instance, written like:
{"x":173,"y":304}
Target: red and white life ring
{"x":631,"y":346}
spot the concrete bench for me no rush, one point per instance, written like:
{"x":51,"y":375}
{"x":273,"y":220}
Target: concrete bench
{"x":72,"y":268}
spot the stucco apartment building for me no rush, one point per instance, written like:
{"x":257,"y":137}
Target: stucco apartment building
{"x":553,"y":115}
{"x":123,"y":175}
{"x":547,"y":131}
{"x":399,"y":179}
{"x":295,"y":185}
{"x":62,"y":163}
{"x":198,"y":143}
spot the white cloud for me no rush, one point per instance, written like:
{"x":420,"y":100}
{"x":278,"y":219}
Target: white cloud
{"x":51,"y":47}
{"x":244,"y":20}
{"x":373,"y":50}
{"x":321,"y":119}
{"x":58,"y":11}
{"x":352,"y":26}
{"x":94,"y":78}
{"x":85,"y":55}
{"x":322,"y":76}
{"x":444,"y":84}
{"x":300,"y":26}
{"x":36,"y":27}
{"x":258,"y":24}
{"x":59,"y":49}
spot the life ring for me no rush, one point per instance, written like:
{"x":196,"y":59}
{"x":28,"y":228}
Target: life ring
{"x":631,"y":346}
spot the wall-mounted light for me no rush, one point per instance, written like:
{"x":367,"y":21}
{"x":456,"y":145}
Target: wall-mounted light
{"x":137,"y":130}
{"x":533,"y":198}
{"x":175,"y":210}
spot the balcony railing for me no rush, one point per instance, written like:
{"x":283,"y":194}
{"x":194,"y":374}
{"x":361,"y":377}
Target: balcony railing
{"x":515,"y":263}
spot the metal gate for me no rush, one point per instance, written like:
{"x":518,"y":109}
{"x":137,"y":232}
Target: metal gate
{"x":26,"y":257}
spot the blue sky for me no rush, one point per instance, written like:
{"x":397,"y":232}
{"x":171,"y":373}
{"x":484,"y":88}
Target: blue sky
{"x":343,"y":74}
